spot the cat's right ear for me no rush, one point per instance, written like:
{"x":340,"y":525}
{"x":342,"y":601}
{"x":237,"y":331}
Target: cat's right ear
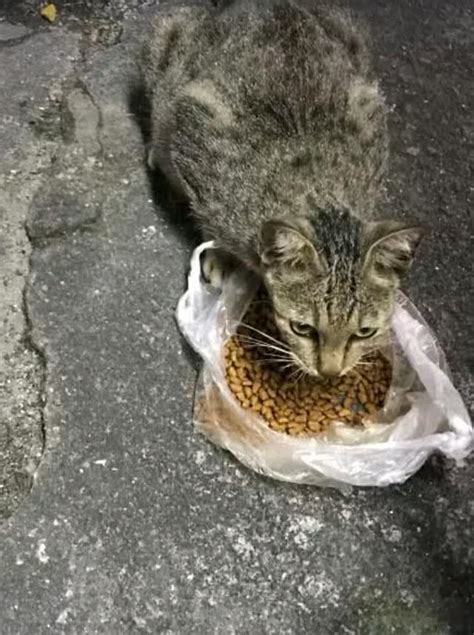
{"x":283,"y":245}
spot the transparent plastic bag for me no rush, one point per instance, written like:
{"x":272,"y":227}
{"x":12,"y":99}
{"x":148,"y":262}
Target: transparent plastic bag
{"x":423,"y":413}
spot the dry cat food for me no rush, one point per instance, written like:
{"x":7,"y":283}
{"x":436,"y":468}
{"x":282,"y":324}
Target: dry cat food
{"x":288,"y":401}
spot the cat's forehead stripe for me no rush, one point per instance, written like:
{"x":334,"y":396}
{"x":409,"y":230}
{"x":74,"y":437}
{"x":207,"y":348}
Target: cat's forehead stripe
{"x":340,"y":306}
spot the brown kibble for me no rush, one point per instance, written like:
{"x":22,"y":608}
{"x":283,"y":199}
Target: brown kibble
{"x":235,"y":387}
{"x":274,"y":425}
{"x":295,"y":428}
{"x":347,"y":403}
{"x":306,"y":406}
{"x":345,"y":412}
{"x":280,"y":402}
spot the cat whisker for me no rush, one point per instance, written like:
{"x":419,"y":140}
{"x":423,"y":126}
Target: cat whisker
{"x":252,"y":339}
{"x":283,"y":364}
{"x":298,"y":374}
{"x":278,"y":360}
{"x":266,"y":347}
{"x":252,"y":342}
{"x":269,"y":350}
{"x":288,"y":365}
{"x":252,"y":328}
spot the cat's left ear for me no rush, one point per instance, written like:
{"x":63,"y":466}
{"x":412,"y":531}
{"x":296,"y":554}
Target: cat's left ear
{"x":391,"y":247}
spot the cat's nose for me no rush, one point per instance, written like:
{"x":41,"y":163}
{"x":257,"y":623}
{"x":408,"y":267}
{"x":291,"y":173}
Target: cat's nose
{"x":329,"y":372}
{"x":330,"y":365}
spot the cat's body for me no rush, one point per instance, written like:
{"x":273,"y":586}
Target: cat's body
{"x":271,"y":124}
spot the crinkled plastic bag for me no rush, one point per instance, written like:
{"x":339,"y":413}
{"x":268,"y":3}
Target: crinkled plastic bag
{"x":423,"y":413}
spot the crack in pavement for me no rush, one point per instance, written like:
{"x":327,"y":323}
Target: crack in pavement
{"x":21,"y":370}
{"x":31,"y":343}
{"x":26,"y":169}
{"x":61,"y":202}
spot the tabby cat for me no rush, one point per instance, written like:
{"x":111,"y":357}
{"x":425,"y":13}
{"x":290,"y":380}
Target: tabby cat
{"x":271,"y":124}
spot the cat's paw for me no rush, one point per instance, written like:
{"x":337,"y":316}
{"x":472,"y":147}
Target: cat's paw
{"x":212,"y":269}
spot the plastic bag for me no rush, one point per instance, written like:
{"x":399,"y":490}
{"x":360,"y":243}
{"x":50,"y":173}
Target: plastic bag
{"x":423,"y":413}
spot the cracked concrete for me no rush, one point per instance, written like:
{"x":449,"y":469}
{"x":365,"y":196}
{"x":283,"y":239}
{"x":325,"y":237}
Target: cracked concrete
{"x":134,"y":522}
{"x":21,"y":171}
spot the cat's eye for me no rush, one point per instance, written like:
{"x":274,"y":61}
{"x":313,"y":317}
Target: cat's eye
{"x":303,"y":330}
{"x":366,"y":331}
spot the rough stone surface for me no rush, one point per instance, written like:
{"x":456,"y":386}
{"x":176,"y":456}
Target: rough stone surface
{"x":23,"y":102}
{"x":10,"y":32}
{"x":135,"y":523}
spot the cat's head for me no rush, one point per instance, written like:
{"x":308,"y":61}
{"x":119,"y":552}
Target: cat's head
{"x":332,"y":281}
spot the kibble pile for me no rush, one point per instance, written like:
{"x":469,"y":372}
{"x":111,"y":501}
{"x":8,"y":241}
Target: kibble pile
{"x":288,"y":401}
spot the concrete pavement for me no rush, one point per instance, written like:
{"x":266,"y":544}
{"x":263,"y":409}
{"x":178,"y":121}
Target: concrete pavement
{"x":117,"y":516}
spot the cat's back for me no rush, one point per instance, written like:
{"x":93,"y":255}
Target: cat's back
{"x":293,"y":68}
{"x":264,"y":106}
{"x":299,"y":84}
{"x":284,"y":58}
